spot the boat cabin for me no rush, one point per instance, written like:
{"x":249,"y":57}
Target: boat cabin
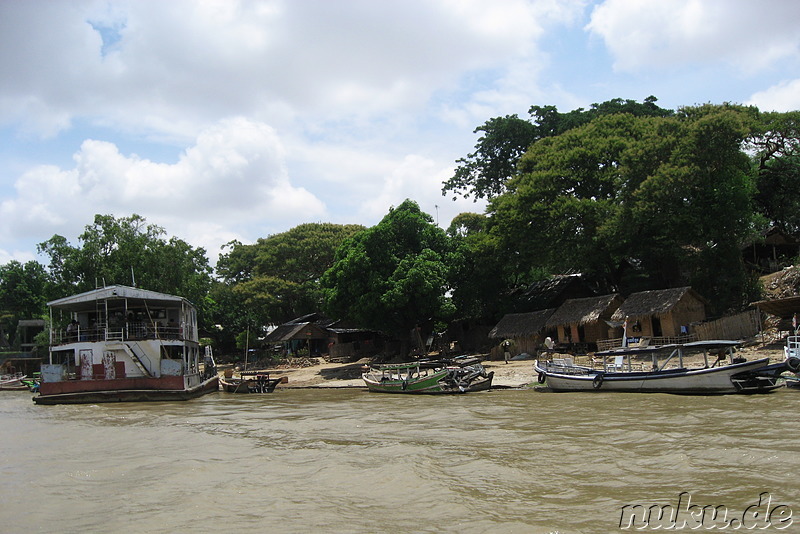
{"x":120,"y":331}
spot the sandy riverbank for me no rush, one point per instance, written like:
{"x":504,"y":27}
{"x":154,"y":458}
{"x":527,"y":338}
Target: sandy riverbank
{"x":348,"y":375}
{"x":518,"y":373}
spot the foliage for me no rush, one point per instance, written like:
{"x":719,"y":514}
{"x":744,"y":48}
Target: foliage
{"x":670,"y":195}
{"x":394,"y":276}
{"x":775,"y":145}
{"x":277,"y":278}
{"x":481,"y":278}
{"x":128,"y":251}
{"x":24,"y":290}
{"x":485,"y":172}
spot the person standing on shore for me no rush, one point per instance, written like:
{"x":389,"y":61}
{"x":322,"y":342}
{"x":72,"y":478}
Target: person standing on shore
{"x":506,"y":351}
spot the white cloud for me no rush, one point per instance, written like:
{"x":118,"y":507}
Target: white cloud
{"x":421,"y":180}
{"x":233,"y":178}
{"x":653,"y":35}
{"x":784,"y":96}
{"x":174,"y":66}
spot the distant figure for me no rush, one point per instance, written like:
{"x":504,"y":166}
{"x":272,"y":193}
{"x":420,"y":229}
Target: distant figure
{"x":506,"y":351}
{"x":72,"y":330}
{"x":548,"y":342}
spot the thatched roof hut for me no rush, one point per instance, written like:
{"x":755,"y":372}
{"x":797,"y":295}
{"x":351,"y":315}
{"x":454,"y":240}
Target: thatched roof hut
{"x":521,"y":325}
{"x":665,"y":312}
{"x":584,"y":320}
{"x":585,"y":311}
{"x":554,"y":291}
{"x":322,"y":335}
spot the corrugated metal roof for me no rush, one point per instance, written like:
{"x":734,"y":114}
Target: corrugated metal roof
{"x":114,"y":292}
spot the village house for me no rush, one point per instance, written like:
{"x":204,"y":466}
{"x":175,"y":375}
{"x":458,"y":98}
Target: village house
{"x":580,"y":323}
{"x":771,"y":252}
{"x":554,"y":291}
{"x":661,"y":316}
{"x":525,"y":331}
{"x":316,"y":335}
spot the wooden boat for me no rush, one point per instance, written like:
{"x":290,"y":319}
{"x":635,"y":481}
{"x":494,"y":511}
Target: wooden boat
{"x":15,"y":382}
{"x":250,"y":382}
{"x":121,"y":343}
{"x":428,"y":377}
{"x":792,"y":360}
{"x":739,"y":376}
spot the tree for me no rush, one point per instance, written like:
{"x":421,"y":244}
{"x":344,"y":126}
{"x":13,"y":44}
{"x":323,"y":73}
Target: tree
{"x":278,"y":277}
{"x":128,"y":251}
{"x":775,"y":148}
{"x":485,"y":172}
{"x":23,"y":294}
{"x":668,"y":194}
{"x":393,"y":276}
{"x":481,"y":276}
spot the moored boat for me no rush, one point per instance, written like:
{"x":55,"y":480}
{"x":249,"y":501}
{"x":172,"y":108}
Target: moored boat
{"x":250,"y":382}
{"x":739,"y":376}
{"x":428,"y":377}
{"x":120,"y":343}
{"x":792,"y":360}
{"x":15,"y":382}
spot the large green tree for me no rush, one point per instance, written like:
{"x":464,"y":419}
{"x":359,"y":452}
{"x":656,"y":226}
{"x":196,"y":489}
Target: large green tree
{"x":482,"y":276}
{"x":278,"y":277}
{"x":669,"y":195}
{"x":24,"y":290}
{"x":775,"y":148}
{"x":128,"y":251}
{"x":393,"y":276}
{"x":485,"y":172}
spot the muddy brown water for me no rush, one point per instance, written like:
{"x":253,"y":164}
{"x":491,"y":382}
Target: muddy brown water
{"x":356,"y":462}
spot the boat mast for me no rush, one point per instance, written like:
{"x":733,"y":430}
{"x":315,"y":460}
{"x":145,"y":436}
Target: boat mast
{"x":246,"y":346}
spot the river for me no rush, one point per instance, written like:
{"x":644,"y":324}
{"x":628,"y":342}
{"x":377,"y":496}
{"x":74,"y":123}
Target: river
{"x":349,"y":461}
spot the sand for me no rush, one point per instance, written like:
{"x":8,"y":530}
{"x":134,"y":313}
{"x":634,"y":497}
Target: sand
{"x":515,"y":374}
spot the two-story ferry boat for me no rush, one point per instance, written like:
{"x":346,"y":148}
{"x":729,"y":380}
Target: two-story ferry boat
{"x":120,"y":343}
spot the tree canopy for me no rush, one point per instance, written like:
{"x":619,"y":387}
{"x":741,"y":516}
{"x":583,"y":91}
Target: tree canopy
{"x":485,"y":172}
{"x":24,"y":291}
{"x":670,"y":196}
{"x":393,"y":276}
{"x":128,"y":251}
{"x":278,"y":277}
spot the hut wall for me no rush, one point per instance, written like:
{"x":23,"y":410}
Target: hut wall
{"x":594,"y":331}
{"x":575,"y":333}
{"x":563,"y":334}
{"x":688,"y":310}
{"x":528,"y":344}
{"x":640,"y":326}
{"x":354,"y":349}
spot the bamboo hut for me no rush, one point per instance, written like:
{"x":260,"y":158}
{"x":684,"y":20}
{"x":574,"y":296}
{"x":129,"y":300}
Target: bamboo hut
{"x":556,"y":290}
{"x":318,"y":335}
{"x":582,"y":322}
{"x":667,"y":314}
{"x":525,"y":330}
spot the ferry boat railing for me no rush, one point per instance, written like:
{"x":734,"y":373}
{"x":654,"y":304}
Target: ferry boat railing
{"x":130,"y":332}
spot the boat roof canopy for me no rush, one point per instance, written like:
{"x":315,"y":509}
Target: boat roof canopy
{"x":87,"y":300}
{"x":711,"y":344}
{"x":620,"y":351}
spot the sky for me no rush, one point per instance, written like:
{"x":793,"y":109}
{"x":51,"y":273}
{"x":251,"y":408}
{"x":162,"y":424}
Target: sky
{"x":235,"y":120}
